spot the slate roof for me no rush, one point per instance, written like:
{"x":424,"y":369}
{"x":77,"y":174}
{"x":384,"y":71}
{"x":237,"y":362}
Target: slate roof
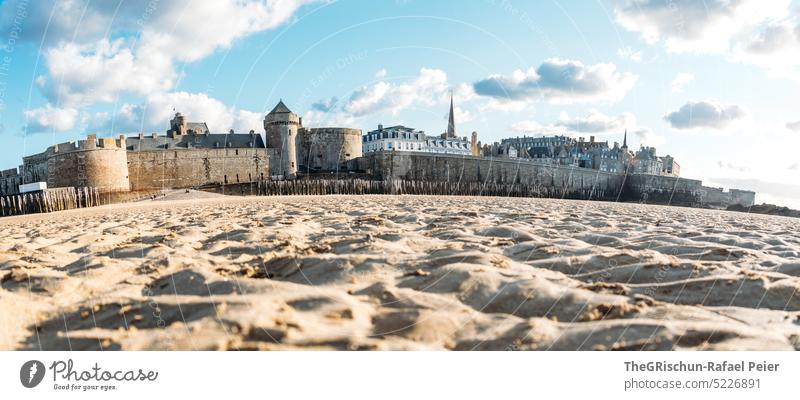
{"x":192,"y":141}
{"x":280,"y":108}
{"x":197,"y":127}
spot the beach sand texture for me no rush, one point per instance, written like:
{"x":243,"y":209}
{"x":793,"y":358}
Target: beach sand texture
{"x":396,"y":273}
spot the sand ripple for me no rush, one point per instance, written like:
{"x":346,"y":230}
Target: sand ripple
{"x":380,"y":272}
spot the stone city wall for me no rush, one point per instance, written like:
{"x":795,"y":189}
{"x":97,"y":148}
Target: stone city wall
{"x":9,"y":182}
{"x":96,"y":164}
{"x":325,"y":149}
{"x":181,"y":168}
{"x":553,"y":181}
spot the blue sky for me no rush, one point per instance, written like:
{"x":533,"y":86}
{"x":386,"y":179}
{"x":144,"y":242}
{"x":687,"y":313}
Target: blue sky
{"x":712,"y":83}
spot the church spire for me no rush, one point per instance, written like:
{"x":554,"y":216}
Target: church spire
{"x":451,"y":121}
{"x":625,"y":140}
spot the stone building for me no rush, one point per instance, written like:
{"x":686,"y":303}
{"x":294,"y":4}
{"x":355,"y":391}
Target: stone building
{"x":188,"y":155}
{"x":280,"y":127}
{"x":578,"y":152}
{"x":670,"y":166}
{"x":646,"y":162}
{"x":308,"y":150}
{"x":403,"y":138}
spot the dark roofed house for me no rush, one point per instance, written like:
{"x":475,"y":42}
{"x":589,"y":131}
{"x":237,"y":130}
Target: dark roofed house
{"x":195,"y":141}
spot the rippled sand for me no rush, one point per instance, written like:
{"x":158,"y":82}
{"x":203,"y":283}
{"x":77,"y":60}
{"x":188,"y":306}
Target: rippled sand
{"x":382,"y":272}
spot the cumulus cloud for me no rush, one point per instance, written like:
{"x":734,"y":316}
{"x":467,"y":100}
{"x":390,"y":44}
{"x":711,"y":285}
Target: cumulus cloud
{"x":774,"y":47}
{"x":594,"y":123}
{"x":51,"y":119}
{"x":325,"y":105}
{"x":696,"y":26}
{"x":86,"y":67}
{"x":795,"y":126}
{"x":429,"y":85}
{"x":755,"y":32}
{"x":704,"y":114}
{"x":560,"y":81}
{"x":85,"y":74}
{"x":461,"y":115}
{"x":154,"y":114}
{"x":680,"y":81}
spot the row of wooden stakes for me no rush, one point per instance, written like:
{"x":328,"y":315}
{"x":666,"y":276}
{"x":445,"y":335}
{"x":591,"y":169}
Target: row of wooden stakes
{"x":49,"y":200}
{"x":312,"y":187}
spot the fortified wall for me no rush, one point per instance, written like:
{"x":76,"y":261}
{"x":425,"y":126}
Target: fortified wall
{"x":558,"y":181}
{"x":325,"y":149}
{"x":101,"y":164}
{"x":684,"y":192}
{"x":190,"y":160}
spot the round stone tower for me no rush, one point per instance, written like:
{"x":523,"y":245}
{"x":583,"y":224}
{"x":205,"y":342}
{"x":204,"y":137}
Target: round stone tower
{"x":281,"y":126}
{"x":96,"y":163}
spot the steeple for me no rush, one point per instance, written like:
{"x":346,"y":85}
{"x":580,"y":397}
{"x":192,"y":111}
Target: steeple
{"x":625,"y":140}
{"x":451,"y":121}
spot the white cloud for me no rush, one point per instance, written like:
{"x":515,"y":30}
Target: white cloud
{"x":460,"y":115}
{"x":325,"y":105}
{"x":755,"y":32}
{"x":380,"y":74}
{"x":594,"y":123}
{"x":51,"y":119}
{"x":156,"y":111}
{"x":85,"y":74}
{"x":794,"y":126}
{"x":696,"y":26}
{"x":429,"y":85}
{"x":463,"y":93}
{"x":561,"y":82}
{"x":85,"y":67}
{"x":680,"y":81}
{"x":704,"y":114}
{"x":775,"y":48}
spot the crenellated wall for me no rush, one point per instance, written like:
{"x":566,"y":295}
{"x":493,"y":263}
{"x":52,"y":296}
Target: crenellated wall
{"x":98,"y":164}
{"x":180,"y":168}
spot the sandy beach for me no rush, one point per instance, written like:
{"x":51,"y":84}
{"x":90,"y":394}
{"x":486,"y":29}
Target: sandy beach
{"x":398,"y":273}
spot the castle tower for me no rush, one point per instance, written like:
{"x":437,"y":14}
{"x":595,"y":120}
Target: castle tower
{"x":177,"y":126}
{"x":281,"y":126}
{"x":451,"y":121}
{"x":474,"y":149}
